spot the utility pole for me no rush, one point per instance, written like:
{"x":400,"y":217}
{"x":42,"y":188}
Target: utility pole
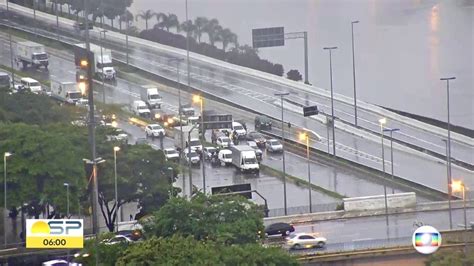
{"x":354,"y":73}
{"x":283,"y":94}
{"x":332,"y":101}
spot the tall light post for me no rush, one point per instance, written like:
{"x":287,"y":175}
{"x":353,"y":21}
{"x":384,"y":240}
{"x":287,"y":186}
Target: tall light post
{"x":116,"y":149}
{"x":354,"y":72}
{"x":5,"y":156}
{"x":178,"y":61}
{"x":199,"y":99}
{"x":448,"y":174}
{"x":102,"y":61}
{"x":304,"y":136}
{"x":382,"y":122}
{"x":57,"y":19}
{"x":459,"y":185}
{"x":188,"y":66}
{"x":67,"y":199}
{"x":448,"y":157}
{"x":332,"y":100}
{"x":391,"y":130}
{"x":281,"y":95}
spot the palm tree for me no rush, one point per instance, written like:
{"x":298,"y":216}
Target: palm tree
{"x":167,"y":21}
{"x":189,"y":27}
{"x":212,"y":28}
{"x":226,"y":36}
{"x":145,"y":15}
{"x":199,"y":24}
{"x":125,"y":17}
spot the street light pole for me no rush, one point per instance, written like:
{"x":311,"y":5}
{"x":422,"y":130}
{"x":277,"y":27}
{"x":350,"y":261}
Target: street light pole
{"x":305,"y":136}
{"x":461,"y":186}
{"x":449,"y":187}
{"x":116,"y":149}
{"x":332,"y":100}
{"x":187,"y":48}
{"x":11,"y":55}
{"x":5,"y":155}
{"x":354,"y":73}
{"x":448,"y":157}
{"x":283,"y":149}
{"x":391,"y":130}
{"x":198,"y":98}
{"x":57,"y":20}
{"x":102,"y":62}
{"x":382,"y":121}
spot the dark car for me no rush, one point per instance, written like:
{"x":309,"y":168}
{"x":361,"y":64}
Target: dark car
{"x":257,"y":137}
{"x":263,"y":123}
{"x":283,"y":229}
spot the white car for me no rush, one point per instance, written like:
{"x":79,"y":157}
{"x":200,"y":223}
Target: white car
{"x":305,"y":240}
{"x":254,"y":146}
{"x":274,"y":145}
{"x":154,"y":131}
{"x":239,"y":129}
{"x":171,"y":154}
{"x":207,"y":152}
{"x":108,"y":73}
{"x":192,"y":156}
{"x":224,"y":142}
{"x":117,"y":239}
{"x":225,"y":157}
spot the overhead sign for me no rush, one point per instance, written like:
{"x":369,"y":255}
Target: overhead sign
{"x":310,"y":110}
{"x":213,"y":120}
{"x":234,"y":188}
{"x":57,"y":233}
{"x":268,"y":37}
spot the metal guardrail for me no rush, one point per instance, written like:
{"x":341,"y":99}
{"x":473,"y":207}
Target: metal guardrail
{"x":304,"y":209}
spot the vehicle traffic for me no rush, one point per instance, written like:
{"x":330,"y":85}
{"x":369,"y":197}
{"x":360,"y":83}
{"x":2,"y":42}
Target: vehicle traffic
{"x":31,"y":54}
{"x":244,"y":159}
{"x":150,"y":95}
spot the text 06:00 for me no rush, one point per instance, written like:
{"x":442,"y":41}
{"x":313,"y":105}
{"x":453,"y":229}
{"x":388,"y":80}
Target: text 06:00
{"x":55,"y":242}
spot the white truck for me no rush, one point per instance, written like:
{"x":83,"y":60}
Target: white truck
{"x":31,"y":53}
{"x":102,"y":66}
{"x":65,"y":91}
{"x":150,"y":95}
{"x":244,"y":159}
{"x":194,"y":142}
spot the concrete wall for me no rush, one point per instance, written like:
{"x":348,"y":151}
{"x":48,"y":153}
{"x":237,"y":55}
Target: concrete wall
{"x":399,"y":200}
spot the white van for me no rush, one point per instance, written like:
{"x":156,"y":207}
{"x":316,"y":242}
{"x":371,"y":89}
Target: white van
{"x":31,"y":84}
{"x":225,"y":157}
{"x":239,"y":129}
{"x":141,"y":109}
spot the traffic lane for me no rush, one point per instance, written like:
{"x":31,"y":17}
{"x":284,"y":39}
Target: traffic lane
{"x":417,"y":167}
{"x":270,"y":187}
{"x":341,"y":181}
{"x":352,"y":185}
{"x":327,"y":176}
{"x":375,"y":227}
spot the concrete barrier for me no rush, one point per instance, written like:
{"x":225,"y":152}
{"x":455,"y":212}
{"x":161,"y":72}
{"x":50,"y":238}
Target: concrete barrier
{"x":399,"y":200}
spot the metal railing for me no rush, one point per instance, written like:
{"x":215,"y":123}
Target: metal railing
{"x":304,"y":209}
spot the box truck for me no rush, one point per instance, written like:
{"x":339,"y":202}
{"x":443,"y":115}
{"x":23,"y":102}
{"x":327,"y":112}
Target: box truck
{"x":150,"y":95}
{"x":31,"y":53}
{"x":244,"y":159}
{"x":65,"y":91}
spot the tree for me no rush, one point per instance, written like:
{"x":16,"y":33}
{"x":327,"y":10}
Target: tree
{"x":218,"y":218}
{"x":226,"y":36}
{"x":200,"y":23}
{"x":44,"y":159}
{"x":125,"y":17}
{"x":145,"y":15}
{"x":212,"y":28}
{"x":141,"y":176}
{"x":167,"y":21}
{"x":178,"y":250}
{"x":115,"y":8}
{"x":450,"y":258}
{"x":294,"y":74}
{"x":188,"y":27}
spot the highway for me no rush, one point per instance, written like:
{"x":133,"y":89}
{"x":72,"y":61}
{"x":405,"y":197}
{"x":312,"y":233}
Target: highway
{"x":343,"y":181}
{"x":254,"y":90}
{"x":371,"y":232}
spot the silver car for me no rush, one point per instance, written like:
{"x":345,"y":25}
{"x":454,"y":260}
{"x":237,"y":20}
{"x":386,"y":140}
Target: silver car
{"x":274,"y":145}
